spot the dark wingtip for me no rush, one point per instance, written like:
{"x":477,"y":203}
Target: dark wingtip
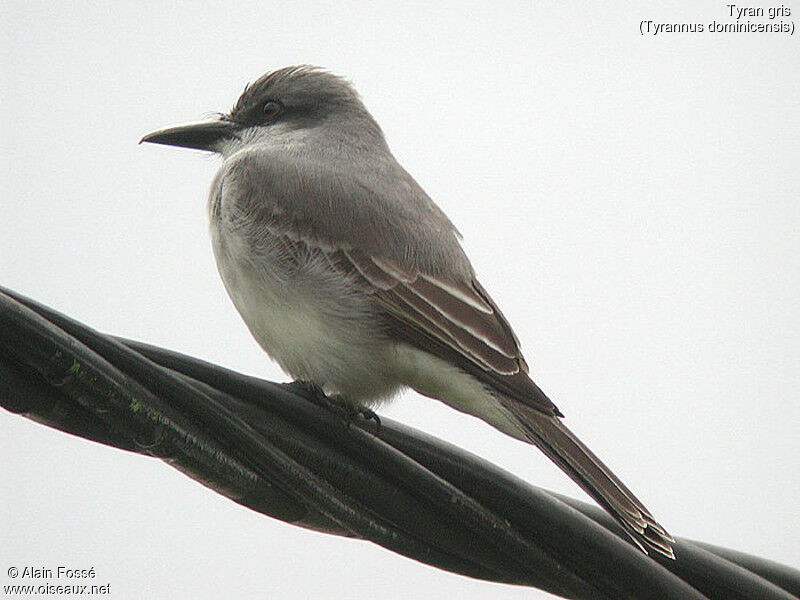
{"x":660,"y":543}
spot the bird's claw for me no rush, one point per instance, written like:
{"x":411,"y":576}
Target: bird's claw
{"x":369,"y":415}
{"x":310,"y":391}
{"x":335,"y":404}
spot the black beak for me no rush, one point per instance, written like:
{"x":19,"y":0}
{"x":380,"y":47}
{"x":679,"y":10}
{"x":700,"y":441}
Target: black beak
{"x":203,"y":135}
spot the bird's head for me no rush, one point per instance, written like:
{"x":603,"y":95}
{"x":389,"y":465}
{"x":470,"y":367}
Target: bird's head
{"x":277,"y":105}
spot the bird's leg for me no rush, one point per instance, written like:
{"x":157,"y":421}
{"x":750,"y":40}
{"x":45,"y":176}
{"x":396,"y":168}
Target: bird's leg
{"x":310,"y":391}
{"x":316,"y":395}
{"x":336,"y":404}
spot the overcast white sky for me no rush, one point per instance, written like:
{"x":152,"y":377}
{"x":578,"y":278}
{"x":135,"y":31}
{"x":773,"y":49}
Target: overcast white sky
{"x":632,"y":202}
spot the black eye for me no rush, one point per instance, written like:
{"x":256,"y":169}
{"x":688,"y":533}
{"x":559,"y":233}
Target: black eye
{"x":271,"y":109}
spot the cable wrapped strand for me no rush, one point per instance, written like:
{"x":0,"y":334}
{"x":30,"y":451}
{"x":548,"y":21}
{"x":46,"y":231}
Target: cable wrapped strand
{"x":275,"y":449}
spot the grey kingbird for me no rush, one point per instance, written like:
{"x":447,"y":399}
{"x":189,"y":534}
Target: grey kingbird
{"x":351,"y":278}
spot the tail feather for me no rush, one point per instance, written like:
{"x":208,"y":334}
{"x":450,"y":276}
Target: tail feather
{"x":551,"y":436}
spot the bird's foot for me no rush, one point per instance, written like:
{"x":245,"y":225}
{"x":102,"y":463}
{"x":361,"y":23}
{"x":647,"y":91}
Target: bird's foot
{"x":351,"y":412}
{"x":368,"y":415}
{"x":335,"y":404}
{"x":310,"y":391}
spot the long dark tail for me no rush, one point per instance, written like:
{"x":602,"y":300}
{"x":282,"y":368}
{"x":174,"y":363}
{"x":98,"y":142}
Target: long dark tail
{"x":550,"y":435}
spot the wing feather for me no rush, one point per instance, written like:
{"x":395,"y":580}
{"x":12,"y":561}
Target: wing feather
{"x":467,"y":342}
{"x":453,"y":320}
{"x":485,"y":326}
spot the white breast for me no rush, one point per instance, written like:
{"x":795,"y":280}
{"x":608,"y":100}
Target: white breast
{"x":310,"y":320}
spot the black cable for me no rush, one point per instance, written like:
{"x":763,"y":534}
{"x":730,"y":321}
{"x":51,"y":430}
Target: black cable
{"x":273,"y":448}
